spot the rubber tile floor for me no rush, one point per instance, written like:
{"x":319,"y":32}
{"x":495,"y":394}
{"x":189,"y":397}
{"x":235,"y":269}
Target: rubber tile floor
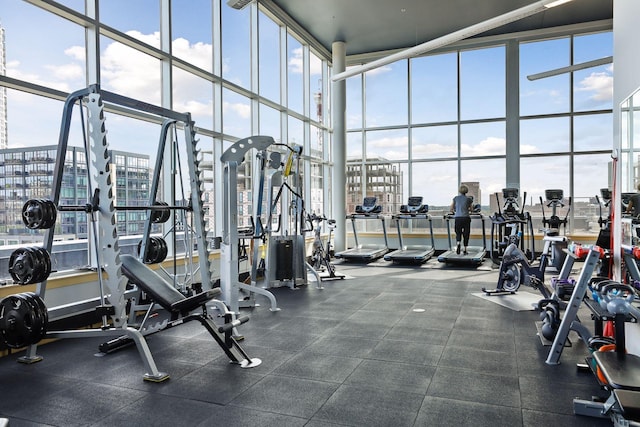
{"x":389,"y":346}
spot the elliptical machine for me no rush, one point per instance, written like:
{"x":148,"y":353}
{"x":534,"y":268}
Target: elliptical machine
{"x":320,"y":258}
{"x":510,"y":225}
{"x":554,"y":243}
{"x":516,"y":266}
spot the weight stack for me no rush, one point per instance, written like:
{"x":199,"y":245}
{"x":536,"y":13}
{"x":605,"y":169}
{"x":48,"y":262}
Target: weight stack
{"x":284,"y":256}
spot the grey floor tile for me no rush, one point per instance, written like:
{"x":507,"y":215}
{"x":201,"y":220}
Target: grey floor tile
{"x":449,"y":412}
{"x":391,"y":376}
{"x":215,"y":384}
{"x":407,"y":352}
{"x":474,"y":386}
{"x":316,"y":366}
{"x":370,"y":407}
{"x":542,"y":418}
{"x":286,"y":395}
{"x":157,"y":410}
{"x":346,"y":346}
{"x":78,"y":406}
{"x":485,"y":361}
{"x":482,"y":341}
{"x":244,"y":417}
{"x":535,"y":394}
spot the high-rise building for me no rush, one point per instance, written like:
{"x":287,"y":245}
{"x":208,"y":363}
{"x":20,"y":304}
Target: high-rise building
{"x":4,"y":138}
{"x":474,"y":191}
{"x":383,"y":180}
{"x":28,"y":173}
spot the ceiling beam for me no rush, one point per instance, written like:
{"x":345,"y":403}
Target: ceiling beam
{"x":464,"y":33}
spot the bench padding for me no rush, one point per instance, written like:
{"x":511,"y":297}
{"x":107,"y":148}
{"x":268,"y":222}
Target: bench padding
{"x":160,"y":290}
{"x":620,"y":372}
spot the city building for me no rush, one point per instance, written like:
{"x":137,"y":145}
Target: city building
{"x":376,"y":177}
{"x":27,"y":173}
{"x":4,"y":138}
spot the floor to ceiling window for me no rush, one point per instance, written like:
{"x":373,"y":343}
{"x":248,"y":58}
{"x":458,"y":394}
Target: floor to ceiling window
{"x":237,"y":72}
{"x":453,"y":106}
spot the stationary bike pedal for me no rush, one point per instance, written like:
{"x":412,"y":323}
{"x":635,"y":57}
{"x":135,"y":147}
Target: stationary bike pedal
{"x":583,"y":367}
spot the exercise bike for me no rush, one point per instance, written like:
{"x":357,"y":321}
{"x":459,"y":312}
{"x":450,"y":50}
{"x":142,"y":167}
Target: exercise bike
{"x":515,"y":269}
{"x":516,"y":266}
{"x":320,"y":258}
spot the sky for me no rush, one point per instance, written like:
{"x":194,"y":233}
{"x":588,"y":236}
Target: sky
{"x":55,"y":59}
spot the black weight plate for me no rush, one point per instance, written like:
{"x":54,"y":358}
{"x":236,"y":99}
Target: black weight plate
{"x":33,"y":214}
{"x":16,"y":322}
{"x":36,"y":315}
{"x":21,"y":266}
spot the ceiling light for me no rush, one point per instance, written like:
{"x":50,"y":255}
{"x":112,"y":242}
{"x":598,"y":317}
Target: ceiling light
{"x":556,"y":3}
{"x":445,"y":40}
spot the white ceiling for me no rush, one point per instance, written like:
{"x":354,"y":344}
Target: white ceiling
{"x":375,"y":25}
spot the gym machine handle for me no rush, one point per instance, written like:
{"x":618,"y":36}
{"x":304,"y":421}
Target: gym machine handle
{"x":229,"y":326}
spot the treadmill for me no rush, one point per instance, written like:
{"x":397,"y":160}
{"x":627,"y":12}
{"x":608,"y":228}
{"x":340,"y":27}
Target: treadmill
{"x":414,"y":254}
{"x":366,"y":252}
{"x":475,"y":254}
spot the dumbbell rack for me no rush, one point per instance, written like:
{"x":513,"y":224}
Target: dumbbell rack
{"x":570,"y":319}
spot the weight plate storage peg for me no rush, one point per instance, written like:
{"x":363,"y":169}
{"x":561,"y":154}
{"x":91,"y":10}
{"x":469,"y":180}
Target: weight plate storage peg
{"x":39,"y":214}
{"x":23,"y":320}
{"x":29,"y":265}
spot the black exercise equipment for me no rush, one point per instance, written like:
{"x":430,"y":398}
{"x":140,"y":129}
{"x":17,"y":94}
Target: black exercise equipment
{"x":29,"y":265}
{"x":320,"y":258}
{"x":554,"y":241}
{"x":42,"y":213}
{"x":366,"y":252}
{"x":23,"y":320}
{"x":39,"y":214}
{"x":181,"y":308}
{"x":475,"y":254}
{"x":157,"y":250}
{"x":416,"y":254}
{"x":511,"y":225}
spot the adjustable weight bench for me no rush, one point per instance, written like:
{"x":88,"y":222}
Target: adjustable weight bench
{"x":181,"y":308}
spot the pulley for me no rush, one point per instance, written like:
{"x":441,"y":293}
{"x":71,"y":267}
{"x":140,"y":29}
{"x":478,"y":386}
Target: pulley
{"x":29,"y":265}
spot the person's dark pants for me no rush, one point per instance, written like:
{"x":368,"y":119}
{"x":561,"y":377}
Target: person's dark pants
{"x":463,"y":229}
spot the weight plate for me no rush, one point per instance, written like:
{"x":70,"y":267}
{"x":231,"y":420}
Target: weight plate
{"x":18,"y":322}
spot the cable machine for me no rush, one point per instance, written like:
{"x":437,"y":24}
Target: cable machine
{"x":24,"y":319}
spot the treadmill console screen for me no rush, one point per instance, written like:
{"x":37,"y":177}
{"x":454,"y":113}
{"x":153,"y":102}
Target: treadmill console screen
{"x":368,"y":206}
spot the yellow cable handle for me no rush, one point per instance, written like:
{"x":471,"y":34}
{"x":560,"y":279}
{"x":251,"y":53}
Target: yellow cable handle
{"x":289,"y":165}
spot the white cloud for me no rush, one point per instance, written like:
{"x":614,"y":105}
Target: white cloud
{"x":199,"y":54}
{"x":76,"y":52}
{"x":433,"y":150}
{"x":600,"y":84}
{"x":242,"y":110}
{"x":296,"y":63}
{"x":66,"y":71}
{"x":489,"y":146}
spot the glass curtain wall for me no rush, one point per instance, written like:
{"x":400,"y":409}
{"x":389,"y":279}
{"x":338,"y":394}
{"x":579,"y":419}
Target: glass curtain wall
{"x":237,"y":72}
{"x":442,"y":118}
